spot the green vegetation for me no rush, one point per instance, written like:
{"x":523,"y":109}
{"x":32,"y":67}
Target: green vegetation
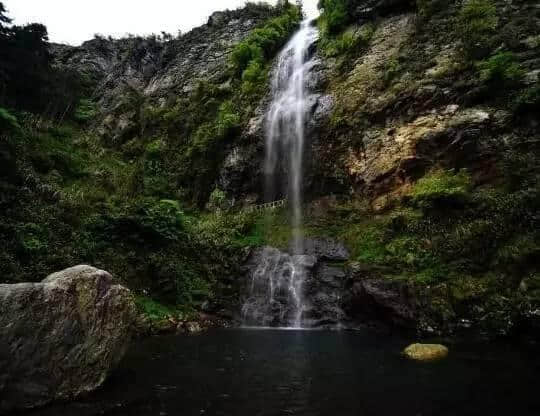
{"x":348,"y":42}
{"x":477,"y":22}
{"x":336,"y":15}
{"x":85,"y":111}
{"x":249,"y":59}
{"x":393,"y":69}
{"x":153,"y":310}
{"x":501,"y":69}
{"x":7,"y":121}
{"x":443,"y":230}
{"x":441,"y":189}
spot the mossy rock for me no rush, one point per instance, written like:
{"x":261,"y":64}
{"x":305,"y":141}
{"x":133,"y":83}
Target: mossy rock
{"x":426,"y":352}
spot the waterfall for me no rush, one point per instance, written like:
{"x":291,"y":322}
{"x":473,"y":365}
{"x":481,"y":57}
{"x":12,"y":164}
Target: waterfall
{"x":276,"y":293}
{"x":286,"y":119}
{"x":276,"y":289}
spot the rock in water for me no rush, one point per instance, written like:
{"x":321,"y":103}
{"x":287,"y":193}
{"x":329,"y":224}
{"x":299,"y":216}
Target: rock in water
{"x":61,"y":337}
{"x":426,"y":352}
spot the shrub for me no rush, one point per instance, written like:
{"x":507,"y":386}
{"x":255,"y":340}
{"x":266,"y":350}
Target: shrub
{"x":528,"y":100}
{"x":477,"y":21}
{"x":262,"y":43}
{"x":221,"y":229}
{"x":155,"y":311}
{"x":85,"y":111}
{"x":218,"y":199}
{"x":227,"y":119}
{"x":441,"y":189}
{"x":32,"y":238}
{"x":392,"y":71}
{"x":164,"y":219}
{"x":7,"y":121}
{"x":501,"y":69}
{"x":348,"y":42}
{"x":254,"y":78}
{"x":335,"y":16}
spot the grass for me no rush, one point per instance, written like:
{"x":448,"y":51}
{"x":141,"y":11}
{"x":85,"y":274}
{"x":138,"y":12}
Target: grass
{"x":154,"y":310}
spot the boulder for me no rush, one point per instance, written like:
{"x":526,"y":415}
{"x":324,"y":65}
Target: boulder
{"x":62,"y":337}
{"x":426,"y":352}
{"x":371,"y":296}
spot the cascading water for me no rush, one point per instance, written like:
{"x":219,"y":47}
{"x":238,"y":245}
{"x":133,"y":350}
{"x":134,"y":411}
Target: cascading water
{"x":276,"y":292}
{"x":286,"y":119}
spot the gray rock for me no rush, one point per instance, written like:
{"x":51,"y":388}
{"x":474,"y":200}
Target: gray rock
{"x":325,"y":249}
{"x":62,"y":337}
{"x":368,"y":9}
{"x":372,"y":297}
{"x":157,"y":70}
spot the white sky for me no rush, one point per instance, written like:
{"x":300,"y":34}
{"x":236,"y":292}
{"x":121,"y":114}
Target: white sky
{"x":74,"y":21}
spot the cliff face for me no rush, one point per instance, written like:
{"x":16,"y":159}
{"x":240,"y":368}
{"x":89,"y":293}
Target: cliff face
{"x":429,"y":158}
{"x":408,"y":97}
{"x":156,"y":70}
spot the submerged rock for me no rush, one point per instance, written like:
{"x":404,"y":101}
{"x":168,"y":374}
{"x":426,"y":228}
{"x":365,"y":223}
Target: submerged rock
{"x":426,"y":352}
{"x":62,"y":337}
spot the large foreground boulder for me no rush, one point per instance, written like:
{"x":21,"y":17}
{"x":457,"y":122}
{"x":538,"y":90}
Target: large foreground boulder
{"x":61,"y":337}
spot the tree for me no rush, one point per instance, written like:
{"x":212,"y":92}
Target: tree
{"x":28,"y":80}
{"x":3,"y":18}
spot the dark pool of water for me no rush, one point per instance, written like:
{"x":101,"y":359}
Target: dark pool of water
{"x":271,"y":372}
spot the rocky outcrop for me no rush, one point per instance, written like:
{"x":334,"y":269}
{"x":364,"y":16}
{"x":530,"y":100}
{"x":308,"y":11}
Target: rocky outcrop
{"x":156,"y":69}
{"x":368,"y":296}
{"x":370,"y":9}
{"x":447,"y":136}
{"x":62,"y":337}
{"x":324,"y":249}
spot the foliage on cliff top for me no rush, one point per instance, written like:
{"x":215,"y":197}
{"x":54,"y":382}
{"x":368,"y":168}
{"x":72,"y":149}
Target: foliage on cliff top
{"x":250,"y":57}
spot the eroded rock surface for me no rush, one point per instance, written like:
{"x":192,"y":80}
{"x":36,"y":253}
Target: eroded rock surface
{"x":62,"y":337}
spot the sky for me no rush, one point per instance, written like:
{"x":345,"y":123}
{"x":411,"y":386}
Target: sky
{"x":74,"y":21}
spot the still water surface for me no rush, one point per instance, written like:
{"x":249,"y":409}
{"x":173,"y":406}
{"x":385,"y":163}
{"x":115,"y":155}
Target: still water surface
{"x":311,"y":373}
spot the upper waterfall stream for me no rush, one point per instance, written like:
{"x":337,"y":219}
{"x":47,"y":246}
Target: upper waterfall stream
{"x":276,"y":295}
